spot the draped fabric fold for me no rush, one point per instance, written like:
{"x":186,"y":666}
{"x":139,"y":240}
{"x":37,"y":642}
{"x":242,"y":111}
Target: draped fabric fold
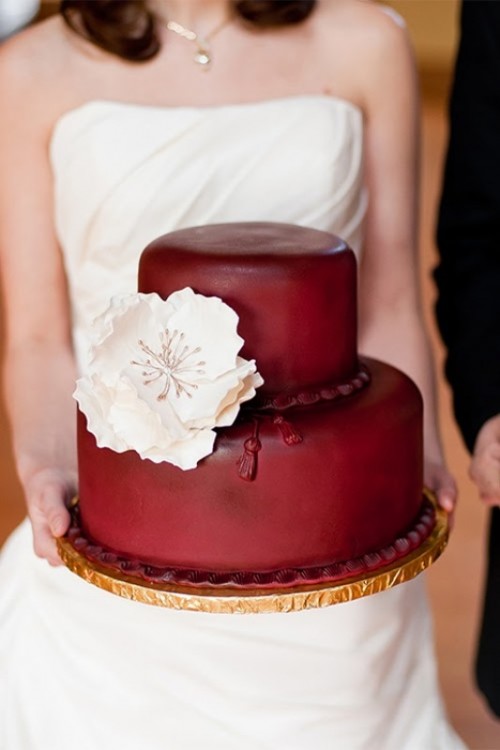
{"x":125,"y":174}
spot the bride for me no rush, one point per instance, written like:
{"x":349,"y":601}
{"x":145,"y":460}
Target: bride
{"x":122,"y":121}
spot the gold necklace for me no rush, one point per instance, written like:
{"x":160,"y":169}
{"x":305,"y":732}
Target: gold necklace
{"x":203,"y":55}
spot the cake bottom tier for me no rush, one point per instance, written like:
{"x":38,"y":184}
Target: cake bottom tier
{"x":351,"y":487}
{"x":247,"y":580}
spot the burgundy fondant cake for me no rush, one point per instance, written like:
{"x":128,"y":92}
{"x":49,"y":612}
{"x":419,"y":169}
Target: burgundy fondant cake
{"x":319,"y":478}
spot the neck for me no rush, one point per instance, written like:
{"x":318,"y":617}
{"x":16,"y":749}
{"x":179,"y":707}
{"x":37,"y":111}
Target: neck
{"x":198,"y":15}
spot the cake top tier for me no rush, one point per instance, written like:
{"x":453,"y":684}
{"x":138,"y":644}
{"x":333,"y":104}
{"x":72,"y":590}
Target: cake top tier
{"x":293,"y":288}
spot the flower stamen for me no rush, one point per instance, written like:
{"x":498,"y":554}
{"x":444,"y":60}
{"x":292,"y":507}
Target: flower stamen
{"x":170,"y":363}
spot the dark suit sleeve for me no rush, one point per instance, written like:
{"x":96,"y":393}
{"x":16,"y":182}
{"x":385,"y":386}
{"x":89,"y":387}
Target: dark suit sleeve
{"x":468,"y":274}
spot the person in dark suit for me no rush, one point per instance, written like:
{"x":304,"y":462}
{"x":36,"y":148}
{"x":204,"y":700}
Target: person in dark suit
{"x":468,"y":280}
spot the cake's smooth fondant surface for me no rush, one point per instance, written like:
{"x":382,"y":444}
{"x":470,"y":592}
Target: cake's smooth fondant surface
{"x":336,"y":452}
{"x":292,"y":287}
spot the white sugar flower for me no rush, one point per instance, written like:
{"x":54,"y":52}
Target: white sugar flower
{"x":162,"y":374}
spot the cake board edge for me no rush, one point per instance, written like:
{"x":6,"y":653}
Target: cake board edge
{"x":259,"y":601}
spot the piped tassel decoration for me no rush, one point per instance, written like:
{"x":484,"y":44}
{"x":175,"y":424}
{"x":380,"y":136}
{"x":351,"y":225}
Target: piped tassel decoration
{"x":247,"y":462}
{"x":288,"y":431}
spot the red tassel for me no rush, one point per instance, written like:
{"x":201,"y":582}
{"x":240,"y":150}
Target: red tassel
{"x":247,"y":463}
{"x":289,"y":433}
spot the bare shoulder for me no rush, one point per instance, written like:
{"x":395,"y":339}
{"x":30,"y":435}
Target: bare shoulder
{"x":362,"y":21}
{"x":34,"y":69}
{"x":370,"y":39}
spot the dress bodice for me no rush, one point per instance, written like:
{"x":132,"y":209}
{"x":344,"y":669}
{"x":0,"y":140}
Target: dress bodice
{"x":125,"y":174}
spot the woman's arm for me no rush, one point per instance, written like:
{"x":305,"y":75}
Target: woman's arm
{"x":391,"y":324}
{"x":39,"y":370}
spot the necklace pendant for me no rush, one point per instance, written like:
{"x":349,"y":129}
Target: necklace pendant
{"x":202,"y":57}
{"x":203,"y":54}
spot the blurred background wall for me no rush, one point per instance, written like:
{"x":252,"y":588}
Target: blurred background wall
{"x":433,"y":25}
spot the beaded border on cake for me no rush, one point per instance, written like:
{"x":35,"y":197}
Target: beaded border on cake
{"x":259,"y":601}
{"x":284,"y":401}
{"x":281,"y":578}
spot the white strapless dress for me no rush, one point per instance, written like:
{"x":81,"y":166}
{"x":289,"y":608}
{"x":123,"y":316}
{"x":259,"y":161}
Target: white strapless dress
{"x":83,"y":669}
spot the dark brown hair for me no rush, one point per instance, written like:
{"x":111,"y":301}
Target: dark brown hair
{"x":127,"y":28}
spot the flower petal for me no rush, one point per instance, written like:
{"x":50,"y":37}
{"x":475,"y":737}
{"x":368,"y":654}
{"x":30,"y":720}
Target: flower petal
{"x":163,"y":373}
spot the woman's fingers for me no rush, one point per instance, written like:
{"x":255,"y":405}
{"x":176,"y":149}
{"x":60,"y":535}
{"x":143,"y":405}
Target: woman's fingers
{"x":48,"y":513}
{"x":441,"y":482}
{"x":446,"y":491}
{"x":44,"y":543}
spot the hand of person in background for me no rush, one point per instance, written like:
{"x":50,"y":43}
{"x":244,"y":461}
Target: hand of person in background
{"x":485,"y":467}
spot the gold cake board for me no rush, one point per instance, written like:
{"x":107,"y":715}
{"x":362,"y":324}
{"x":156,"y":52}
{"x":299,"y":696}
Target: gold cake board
{"x":253,"y":601}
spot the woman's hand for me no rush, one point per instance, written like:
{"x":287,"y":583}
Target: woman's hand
{"x":47,"y":493}
{"x":485,"y":466}
{"x":439,"y":480}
